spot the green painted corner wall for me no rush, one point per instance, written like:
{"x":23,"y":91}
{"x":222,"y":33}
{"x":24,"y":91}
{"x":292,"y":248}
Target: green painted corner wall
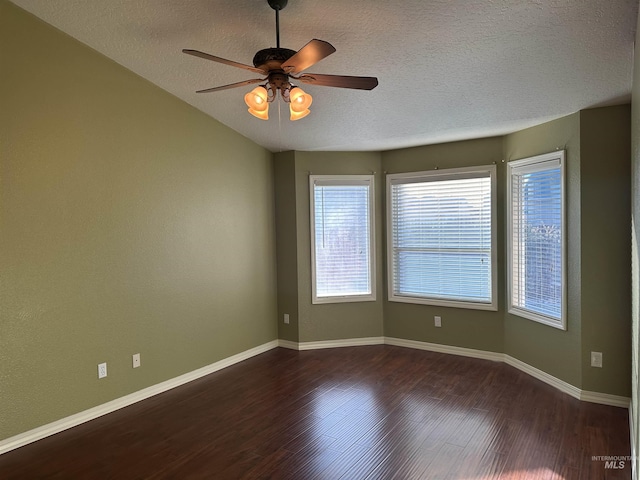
{"x":477,"y":329}
{"x":284,"y":167}
{"x":605,"y":205}
{"x":339,"y":320}
{"x":597,"y":145}
{"x":130,"y":223}
{"x":549,"y":349}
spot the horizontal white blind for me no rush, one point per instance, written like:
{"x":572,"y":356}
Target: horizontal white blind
{"x":342,"y":239}
{"x":441,"y":235}
{"x":537,"y":240}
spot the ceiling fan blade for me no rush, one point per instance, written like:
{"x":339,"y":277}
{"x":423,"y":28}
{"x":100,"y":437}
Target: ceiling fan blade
{"x":340,"y":81}
{"x":197,"y":53}
{"x":231,"y":85}
{"x":310,"y":54}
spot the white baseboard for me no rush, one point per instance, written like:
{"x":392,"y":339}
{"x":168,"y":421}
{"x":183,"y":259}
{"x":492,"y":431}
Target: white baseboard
{"x":58,"y":426}
{"x":575,"y":392}
{"x":449,"y":349}
{"x":348,"y":342}
{"x":544,"y":377}
{"x":288,"y":344}
{"x":605,"y":399}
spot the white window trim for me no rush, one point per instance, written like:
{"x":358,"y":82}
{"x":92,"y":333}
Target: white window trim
{"x":344,"y":180}
{"x":448,"y":174}
{"x":532,"y":164}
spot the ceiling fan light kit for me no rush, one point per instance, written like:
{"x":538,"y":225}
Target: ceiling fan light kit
{"x":279,"y":65}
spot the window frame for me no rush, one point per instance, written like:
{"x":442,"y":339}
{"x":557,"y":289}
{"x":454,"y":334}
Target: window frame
{"x":537,"y":163}
{"x":448,"y":174}
{"x":344,"y":180}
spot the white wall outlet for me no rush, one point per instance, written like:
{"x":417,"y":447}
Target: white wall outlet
{"x":437,"y":321}
{"x":136,"y":360}
{"x":596,"y":359}
{"x":286,"y":318}
{"x":102,"y":370}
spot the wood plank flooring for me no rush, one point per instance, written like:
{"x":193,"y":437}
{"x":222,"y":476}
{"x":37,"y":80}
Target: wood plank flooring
{"x":375,"y":412}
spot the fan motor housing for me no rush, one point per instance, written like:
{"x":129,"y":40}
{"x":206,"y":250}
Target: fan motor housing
{"x":279,"y":81}
{"x":272,"y":58}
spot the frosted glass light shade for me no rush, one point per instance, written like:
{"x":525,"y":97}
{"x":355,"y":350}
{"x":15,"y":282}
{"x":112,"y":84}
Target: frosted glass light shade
{"x":262,"y":115}
{"x":300,"y":100}
{"x":256,"y":100}
{"x":298,"y":115}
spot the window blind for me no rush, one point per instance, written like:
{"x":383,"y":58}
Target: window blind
{"x":441,"y":235}
{"x":536,"y":238}
{"x":342,"y":238}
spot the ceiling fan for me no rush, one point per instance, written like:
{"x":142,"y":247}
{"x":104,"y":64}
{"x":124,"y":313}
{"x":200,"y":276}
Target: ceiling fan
{"x":281,"y":65}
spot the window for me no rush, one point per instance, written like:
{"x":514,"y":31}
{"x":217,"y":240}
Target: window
{"x":536,"y":259}
{"x":342,"y":234}
{"x":441,"y":237}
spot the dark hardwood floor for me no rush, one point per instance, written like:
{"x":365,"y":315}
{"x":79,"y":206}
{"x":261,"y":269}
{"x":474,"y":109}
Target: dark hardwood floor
{"x":377,"y":412}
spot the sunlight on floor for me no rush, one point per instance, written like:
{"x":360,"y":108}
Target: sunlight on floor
{"x":529,"y":474}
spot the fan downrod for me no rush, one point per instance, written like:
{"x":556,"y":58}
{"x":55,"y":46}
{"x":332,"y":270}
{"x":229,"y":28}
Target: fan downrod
{"x":277,"y":4}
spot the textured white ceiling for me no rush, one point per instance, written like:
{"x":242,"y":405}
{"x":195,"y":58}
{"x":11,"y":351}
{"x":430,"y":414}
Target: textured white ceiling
{"x":448,"y":69}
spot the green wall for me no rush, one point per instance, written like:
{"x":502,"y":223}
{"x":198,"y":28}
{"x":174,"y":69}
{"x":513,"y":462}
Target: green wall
{"x":287,"y":244}
{"x":597,"y":144}
{"x":311,"y":323}
{"x":549,"y":349}
{"x":130,"y":223}
{"x":477,"y":329}
{"x":605,"y":204}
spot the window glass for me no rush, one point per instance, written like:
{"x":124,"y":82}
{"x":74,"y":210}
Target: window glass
{"x":536,"y":238}
{"x":342,"y":238}
{"x":441,"y":237}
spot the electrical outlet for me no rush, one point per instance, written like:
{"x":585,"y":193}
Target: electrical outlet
{"x":286,"y":318}
{"x":437,"y":321}
{"x":136,"y":360}
{"x":596,"y":359}
{"x":102,"y":370}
